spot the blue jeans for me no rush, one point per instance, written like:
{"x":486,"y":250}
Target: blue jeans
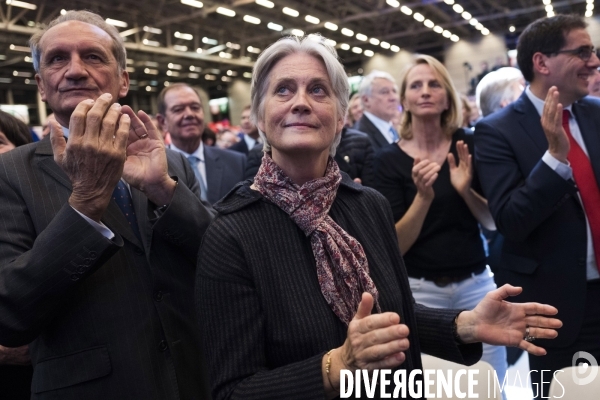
{"x":466,"y":295}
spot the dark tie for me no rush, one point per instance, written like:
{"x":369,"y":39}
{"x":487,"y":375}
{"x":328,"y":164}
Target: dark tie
{"x":587,"y":185}
{"x":122,"y":197}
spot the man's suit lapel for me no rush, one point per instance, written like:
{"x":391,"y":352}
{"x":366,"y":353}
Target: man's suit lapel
{"x":113,"y":217}
{"x":529,"y":119}
{"x":214,"y":174}
{"x":589,"y":125}
{"x":369,"y":128}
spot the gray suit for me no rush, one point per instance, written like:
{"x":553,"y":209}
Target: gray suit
{"x":109,"y":319}
{"x":224,"y":168}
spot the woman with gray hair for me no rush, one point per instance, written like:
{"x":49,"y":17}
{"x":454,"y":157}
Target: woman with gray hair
{"x":300,"y":275}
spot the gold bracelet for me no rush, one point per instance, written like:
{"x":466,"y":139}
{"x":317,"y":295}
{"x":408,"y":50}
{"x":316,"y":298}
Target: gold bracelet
{"x":328,"y":362}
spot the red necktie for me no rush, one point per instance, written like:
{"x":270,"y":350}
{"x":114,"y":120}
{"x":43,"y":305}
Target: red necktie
{"x":586,"y":183}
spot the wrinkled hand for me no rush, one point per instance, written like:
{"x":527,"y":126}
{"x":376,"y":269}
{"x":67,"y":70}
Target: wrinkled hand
{"x":461,"y":175}
{"x":558,"y":141}
{"x":15,"y":356}
{"x":424,"y":174}
{"x":497,"y":322}
{"x":94,"y":155}
{"x":374,"y":341}
{"x":146,"y":166}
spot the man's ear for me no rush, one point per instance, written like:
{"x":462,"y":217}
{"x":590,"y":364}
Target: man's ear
{"x":38,"y":79}
{"x":161,"y":122}
{"x":540,"y":63}
{"x":123,"y":84}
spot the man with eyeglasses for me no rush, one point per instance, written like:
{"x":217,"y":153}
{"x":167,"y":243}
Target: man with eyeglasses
{"x":540,"y":171}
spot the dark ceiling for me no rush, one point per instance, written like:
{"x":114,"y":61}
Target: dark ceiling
{"x":229,"y":49}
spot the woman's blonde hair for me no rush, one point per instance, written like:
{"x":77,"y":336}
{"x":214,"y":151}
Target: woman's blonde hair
{"x":451,"y":118}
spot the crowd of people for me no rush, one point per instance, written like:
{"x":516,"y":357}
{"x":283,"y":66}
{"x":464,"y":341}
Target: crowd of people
{"x":140,"y":261}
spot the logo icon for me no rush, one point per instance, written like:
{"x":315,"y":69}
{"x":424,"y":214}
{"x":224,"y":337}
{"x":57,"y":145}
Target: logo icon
{"x":583,"y":368}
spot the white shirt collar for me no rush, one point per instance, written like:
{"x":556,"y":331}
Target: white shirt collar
{"x":383,"y":126}
{"x":249,"y":141}
{"x":539,"y":103}
{"x":198,"y":153}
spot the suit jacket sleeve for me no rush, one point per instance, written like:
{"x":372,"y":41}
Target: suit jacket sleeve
{"x":243,"y":373}
{"x":519,"y":202}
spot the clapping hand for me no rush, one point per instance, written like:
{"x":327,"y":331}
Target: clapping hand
{"x":461,"y":175}
{"x":558,"y":141}
{"x":424,"y":174}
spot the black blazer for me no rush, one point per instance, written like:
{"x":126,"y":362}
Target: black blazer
{"x":377,"y":139}
{"x":224,"y":168}
{"x":109,"y":319}
{"x":537,"y":211}
{"x":240,"y":147}
{"x":270,"y":325}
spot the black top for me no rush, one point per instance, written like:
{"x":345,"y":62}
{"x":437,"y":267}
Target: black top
{"x":266,"y":323}
{"x":449,"y":243}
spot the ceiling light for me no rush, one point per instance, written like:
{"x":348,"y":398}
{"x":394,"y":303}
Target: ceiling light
{"x":209,"y":41}
{"x":485,"y":31}
{"x":384,"y":45}
{"x":254,"y":50}
{"x":167,"y":83}
{"x":357,"y":50}
{"x":174,"y":66}
{"x":234,"y":46}
{"x":549,"y":8}
{"x":438,"y":29}
{"x":450,"y":2}
{"x":209,"y":77}
{"x":150,"y":43}
{"x":193,"y":75}
{"x":466,"y":15}
{"x":184,"y":36}
{"x":446,"y":34}
{"x":331,"y":26}
{"x":21,"y":4}
{"x":151,"y":64}
{"x":172,"y":73}
{"x":454,"y":38}
{"x":274,"y":26}
{"x":361,"y":37}
{"x":311,"y":19}
{"x":5,"y":80}
{"x":223,"y":54}
{"x":395,"y":48}
{"x":115,"y":22}
{"x":150,"y":29}
{"x":199,"y":50}
{"x":344,"y":46}
{"x":193,"y":68}
{"x":550,"y":14}
{"x":589,"y":6}
{"x":419,"y":17}
{"x":226,"y":79}
{"x":511,"y":29}
{"x":265,"y":3}
{"x":63,"y":11}
{"x":193,"y":3}
{"x":479,"y":26}
{"x":148,"y":88}
{"x":290,"y":11}
{"x":150,"y":71}
{"x":231,"y":73}
{"x":22,"y":73}
{"x":248,"y":75}
{"x":374,"y":41}
{"x":369,"y":53}
{"x":428,"y":23}
{"x":458,"y":8}
{"x":393,"y":3}
{"x":330,"y":42}
{"x":28,"y":59}
{"x":179,"y":47}
{"x":226,"y":12}
{"x":347,"y":32}
{"x":473,"y":21}
{"x":252,"y":20}
{"x":406,"y":10}
{"x":297,"y":32}
{"x":589,"y":13}
{"x":130,"y":69}
{"x":23,"y":49}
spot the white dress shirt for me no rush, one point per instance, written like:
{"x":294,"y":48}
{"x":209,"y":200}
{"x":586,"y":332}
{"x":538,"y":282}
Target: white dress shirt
{"x":383,"y":126}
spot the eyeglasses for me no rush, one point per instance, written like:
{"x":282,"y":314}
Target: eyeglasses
{"x":583,"y":52}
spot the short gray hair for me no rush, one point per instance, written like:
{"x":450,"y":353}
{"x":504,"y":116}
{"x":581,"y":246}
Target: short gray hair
{"x":284,"y":47}
{"x":118,"y":46}
{"x":496,"y":87}
{"x":366,"y":85}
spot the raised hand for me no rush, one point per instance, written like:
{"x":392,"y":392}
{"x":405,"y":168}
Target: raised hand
{"x":461,"y":175}
{"x":498,"y":322}
{"x":146,"y":166}
{"x":558,"y":141}
{"x":424,"y":174}
{"x":94,"y":155}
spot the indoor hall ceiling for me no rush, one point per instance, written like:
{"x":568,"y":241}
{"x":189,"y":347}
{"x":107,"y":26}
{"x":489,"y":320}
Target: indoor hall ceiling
{"x":219,"y":47}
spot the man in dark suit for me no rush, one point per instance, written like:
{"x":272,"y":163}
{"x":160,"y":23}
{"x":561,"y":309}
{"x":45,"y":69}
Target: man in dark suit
{"x":249,"y":134}
{"x":99,"y":234}
{"x":180,"y":113}
{"x":541,"y":179}
{"x":379,"y":96}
